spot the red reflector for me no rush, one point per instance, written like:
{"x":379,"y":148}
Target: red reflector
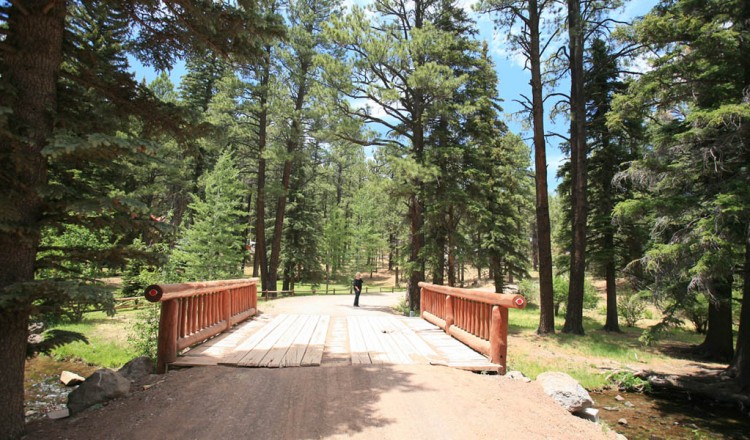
{"x":153,"y":292}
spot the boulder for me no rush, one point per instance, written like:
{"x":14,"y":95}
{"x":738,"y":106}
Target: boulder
{"x":589,"y":414}
{"x":565,"y":390}
{"x":70,"y":379}
{"x":137,"y":369}
{"x":58,"y":414}
{"x":100,"y":387}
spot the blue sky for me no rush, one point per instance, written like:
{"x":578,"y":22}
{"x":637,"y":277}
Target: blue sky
{"x":514,"y":80}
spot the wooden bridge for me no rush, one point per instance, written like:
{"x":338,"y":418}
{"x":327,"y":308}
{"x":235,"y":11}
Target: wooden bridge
{"x":461,"y":328}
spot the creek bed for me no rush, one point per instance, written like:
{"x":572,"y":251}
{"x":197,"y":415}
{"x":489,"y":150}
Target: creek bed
{"x":671,"y":415}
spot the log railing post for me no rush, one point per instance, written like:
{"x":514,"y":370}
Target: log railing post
{"x":449,"y":319}
{"x":422,"y":305}
{"x":499,"y":336}
{"x":167,"y":345}
{"x":226,"y":312}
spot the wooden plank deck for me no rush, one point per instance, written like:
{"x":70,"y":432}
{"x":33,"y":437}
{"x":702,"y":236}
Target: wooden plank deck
{"x":290,"y":340}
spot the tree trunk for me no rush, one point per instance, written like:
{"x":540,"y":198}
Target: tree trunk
{"x":391,"y":246}
{"x":496,"y":264}
{"x":292,"y":145}
{"x":534,"y":249}
{"x":546,"y":296}
{"x":438,"y":274}
{"x":416,"y":236}
{"x":574,"y":309}
{"x":612,"y":324}
{"x":740,"y":365}
{"x":31,"y":68}
{"x":260,"y":203}
{"x":718,"y":342}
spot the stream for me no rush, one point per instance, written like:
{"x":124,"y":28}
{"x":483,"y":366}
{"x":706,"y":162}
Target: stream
{"x":671,"y":415}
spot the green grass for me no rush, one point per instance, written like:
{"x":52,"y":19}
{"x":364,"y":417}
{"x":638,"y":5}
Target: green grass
{"x":582,"y":356}
{"x":108,"y":346}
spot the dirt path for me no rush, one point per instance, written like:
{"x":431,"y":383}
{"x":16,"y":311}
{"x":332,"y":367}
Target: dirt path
{"x":366,"y":402}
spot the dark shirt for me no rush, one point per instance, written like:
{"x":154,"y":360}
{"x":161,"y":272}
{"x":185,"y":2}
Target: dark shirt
{"x":357,"y":285}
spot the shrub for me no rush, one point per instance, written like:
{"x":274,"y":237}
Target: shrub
{"x":530,"y":290}
{"x":627,"y":381}
{"x":144,"y":334}
{"x":631,"y":307}
{"x":560,"y":285}
{"x":696,"y":311}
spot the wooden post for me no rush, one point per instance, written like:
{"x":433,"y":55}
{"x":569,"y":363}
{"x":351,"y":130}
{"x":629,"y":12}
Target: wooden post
{"x":167,"y":345}
{"x":499,"y":336}
{"x":421,"y":302}
{"x":449,"y":319}
{"x":226,"y":311}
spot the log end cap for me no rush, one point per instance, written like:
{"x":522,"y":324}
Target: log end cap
{"x":153,"y":293}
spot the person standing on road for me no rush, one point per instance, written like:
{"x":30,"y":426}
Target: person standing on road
{"x":357,"y":283}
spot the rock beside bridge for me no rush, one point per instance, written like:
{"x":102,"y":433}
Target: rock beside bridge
{"x":565,"y":390}
{"x":100,"y":387}
{"x":137,"y":369}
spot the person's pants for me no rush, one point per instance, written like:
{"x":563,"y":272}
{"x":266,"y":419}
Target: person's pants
{"x":356,"y":297}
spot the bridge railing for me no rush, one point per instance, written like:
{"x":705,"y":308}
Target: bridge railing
{"x":194,"y":312}
{"x":478,"y":319}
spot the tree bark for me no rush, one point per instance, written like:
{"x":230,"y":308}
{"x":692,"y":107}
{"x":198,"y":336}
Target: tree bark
{"x":497,"y":272}
{"x":740,"y":365}
{"x":546,"y":296}
{"x":416,"y":237}
{"x":718,"y":342}
{"x":612,"y":324}
{"x":31,"y":68}
{"x":292,"y":145}
{"x":574,"y":309}
{"x":438,"y":274}
{"x":260,"y":202}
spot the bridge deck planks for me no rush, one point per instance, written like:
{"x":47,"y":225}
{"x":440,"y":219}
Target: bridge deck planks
{"x":301,"y":340}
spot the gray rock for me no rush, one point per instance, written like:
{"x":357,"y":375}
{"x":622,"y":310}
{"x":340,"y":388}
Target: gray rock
{"x":100,"y":387}
{"x":623,"y":422}
{"x":516,"y":375}
{"x":619,"y":398}
{"x":628,"y":404}
{"x":137,"y":369}
{"x":70,"y":379}
{"x":565,"y":390}
{"x":589,"y":414}
{"x":58,"y":414}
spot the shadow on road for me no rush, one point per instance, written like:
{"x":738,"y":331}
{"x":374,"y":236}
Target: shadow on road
{"x":222,"y":402}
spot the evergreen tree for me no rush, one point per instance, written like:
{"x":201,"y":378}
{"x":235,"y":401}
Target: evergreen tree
{"x":43,"y":120}
{"x":528,"y":13}
{"x":212,"y":247}
{"x":696,"y":172}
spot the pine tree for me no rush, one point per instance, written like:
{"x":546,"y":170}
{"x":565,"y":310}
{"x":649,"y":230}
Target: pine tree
{"x":44,"y":117}
{"x":696,"y":172}
{"x":212,"y":247}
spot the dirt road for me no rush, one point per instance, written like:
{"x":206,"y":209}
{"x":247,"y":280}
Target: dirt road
{"x":361,"y":402}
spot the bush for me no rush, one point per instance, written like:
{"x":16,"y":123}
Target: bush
{"x":696,"y":311}
{"x":627,"y":381}
{"x":530,"y":290}
{"x":631,"y":307}
{"x":560,"y":285}
{"x":144,"y":335}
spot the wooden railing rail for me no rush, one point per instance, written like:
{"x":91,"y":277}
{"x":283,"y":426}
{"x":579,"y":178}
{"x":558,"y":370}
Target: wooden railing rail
{"x":194,"y":312}
{"x":478,"y":319}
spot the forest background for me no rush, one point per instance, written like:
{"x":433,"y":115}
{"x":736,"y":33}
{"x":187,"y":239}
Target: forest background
{"x":308,"y":141}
